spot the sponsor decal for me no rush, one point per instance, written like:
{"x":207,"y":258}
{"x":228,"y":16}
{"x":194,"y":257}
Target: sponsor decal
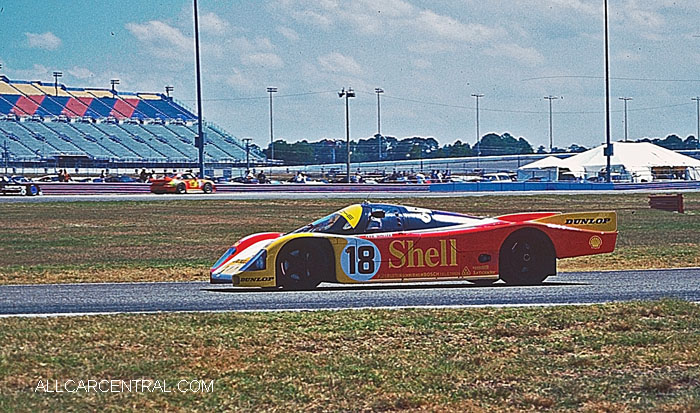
{"x":255,"y":279}
{"x":360,"y":259}
{"x":405,"y":255}
{"x":352,"y":214}
{"x":595,"y":242}
{"x":587,"y":221}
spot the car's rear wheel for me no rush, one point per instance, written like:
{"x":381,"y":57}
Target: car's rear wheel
{"x":527,"y":257}
{"x":302,"y":264}
{"x":33,"y":190}
{"x":208,"y":189}
{"x":181,"y":188}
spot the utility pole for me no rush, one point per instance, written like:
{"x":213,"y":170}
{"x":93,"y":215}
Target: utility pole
{"x":247,"y":153}
{"x":56,"y":75}
{"x":477,"y":96}
{"x":114,"y":82}
{"x":608,"y":147}
{"x":199,"y":141}
{"x":625,"y":99}
{"x":347,"y":94}
{"x":271,"y":90}
{"x":697,"y":136}
{"x":168,"y":89}
{"x":550,"y":98}
{"x":379,"y":91}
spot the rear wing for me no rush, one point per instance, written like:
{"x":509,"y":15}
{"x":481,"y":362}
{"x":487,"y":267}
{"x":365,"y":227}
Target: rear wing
{"x":603,"y":221}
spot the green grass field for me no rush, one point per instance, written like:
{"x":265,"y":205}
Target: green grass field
{"x":620,"y":357}
{"x":179,"y":240}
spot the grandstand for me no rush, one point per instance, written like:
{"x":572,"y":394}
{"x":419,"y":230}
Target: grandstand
{"x":46,"y":125}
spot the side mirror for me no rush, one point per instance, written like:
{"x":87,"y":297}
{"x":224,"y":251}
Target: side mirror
{"x":378,"y":214}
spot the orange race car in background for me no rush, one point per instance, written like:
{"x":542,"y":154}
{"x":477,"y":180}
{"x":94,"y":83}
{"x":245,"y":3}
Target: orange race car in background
{"x":181,"y":184}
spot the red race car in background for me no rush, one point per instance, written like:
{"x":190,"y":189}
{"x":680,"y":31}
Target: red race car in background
{"x":183,"y":183}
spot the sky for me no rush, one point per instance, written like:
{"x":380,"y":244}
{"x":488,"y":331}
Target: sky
{"x":429,"y":57}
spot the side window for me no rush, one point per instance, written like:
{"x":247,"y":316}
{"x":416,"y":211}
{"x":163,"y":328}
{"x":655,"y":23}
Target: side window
{"x":385,"y":220}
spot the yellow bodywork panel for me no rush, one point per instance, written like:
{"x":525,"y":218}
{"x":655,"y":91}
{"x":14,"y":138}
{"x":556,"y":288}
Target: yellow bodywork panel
{"x":603,"y":221}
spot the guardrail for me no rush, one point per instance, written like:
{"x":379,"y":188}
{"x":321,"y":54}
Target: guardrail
{"x":92,"y":188}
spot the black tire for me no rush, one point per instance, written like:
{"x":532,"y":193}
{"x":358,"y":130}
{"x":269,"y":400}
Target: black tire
{"x":482,"y":283}
{"x":303,"y":264}
{"x":208,"y":189}
{"x":526,"y":257}
{"x":181,"y":188}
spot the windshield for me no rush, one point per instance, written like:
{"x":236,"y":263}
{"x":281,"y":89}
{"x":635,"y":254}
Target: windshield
{"x":341,"y":222}
{"x":332,"y":224}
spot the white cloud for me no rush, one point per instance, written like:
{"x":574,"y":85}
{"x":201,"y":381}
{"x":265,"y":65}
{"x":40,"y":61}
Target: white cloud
{"x":80,"y":73}
{"x":269,"y":60}
{"x":448,"y":28}
{"x":48,"y":41}
{"x":163,"y":39}
{"x":422,"y":64}
{"x":339,"y":63}
{"x":431,"y":47}
{"x":213,"y":24}
{"x":526,"y":55}
{"x":288,"y":33}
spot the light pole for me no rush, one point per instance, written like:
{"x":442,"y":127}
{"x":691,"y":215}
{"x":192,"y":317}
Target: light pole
{"x":247,"y":153}
{"x":199,"y":141}
{"x":347,"y":94}
{"x":379,"y":91}
{"x":625,"y":99}
{"x":697,"y":136}
{"x":477,"y":96}
{"x":271,"y":90}
{"x":168,"y":89}
{"x":56,"y":75}
{"x":114,"y":82}
{"x":608,"y":148}
{"x":550,"y":98}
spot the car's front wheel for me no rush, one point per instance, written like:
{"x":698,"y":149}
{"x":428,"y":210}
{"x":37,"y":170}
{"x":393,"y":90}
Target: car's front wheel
{"x":527,"y":257}
{"x":303,"y":264}
{"x":208,"y":189}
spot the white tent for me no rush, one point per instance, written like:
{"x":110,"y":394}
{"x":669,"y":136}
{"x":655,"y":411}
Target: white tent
{"x":546,"y":168}
{"x":636,"y":162}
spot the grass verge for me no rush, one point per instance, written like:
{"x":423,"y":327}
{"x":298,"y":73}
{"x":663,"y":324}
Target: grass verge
{"x":179,"y":240}
{"x":638,"y":356}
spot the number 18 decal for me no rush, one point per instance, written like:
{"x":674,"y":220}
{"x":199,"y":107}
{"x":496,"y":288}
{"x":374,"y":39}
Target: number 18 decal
{"x":360,"y":259}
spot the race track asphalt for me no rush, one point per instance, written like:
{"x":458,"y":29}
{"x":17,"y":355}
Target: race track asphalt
{"x":566,"y":288}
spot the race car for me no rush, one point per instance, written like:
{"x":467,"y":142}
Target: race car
{"x":373,"y":242}
{"x":18,"y":185}
{"x":181,"y":184}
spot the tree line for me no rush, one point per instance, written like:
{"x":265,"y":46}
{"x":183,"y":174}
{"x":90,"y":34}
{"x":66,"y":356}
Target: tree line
{"x":389,"y":148}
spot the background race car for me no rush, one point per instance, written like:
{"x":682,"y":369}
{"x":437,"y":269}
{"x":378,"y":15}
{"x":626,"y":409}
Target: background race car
{"x":181,"y":184}
{"x":388,"y":243}
{"x":18,"y":185}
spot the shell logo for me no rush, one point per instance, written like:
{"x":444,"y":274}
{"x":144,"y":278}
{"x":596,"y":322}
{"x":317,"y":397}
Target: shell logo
{"x":595,"y":242}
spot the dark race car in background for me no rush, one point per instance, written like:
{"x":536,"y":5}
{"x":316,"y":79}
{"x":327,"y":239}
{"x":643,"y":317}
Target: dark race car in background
{"x":18,"y":185}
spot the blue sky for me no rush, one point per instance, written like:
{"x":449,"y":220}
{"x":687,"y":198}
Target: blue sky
{"x":428,"y":56}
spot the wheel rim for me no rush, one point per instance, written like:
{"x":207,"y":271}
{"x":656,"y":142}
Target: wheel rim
{"x":524,"y":257}
{"x":294,"y":267}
